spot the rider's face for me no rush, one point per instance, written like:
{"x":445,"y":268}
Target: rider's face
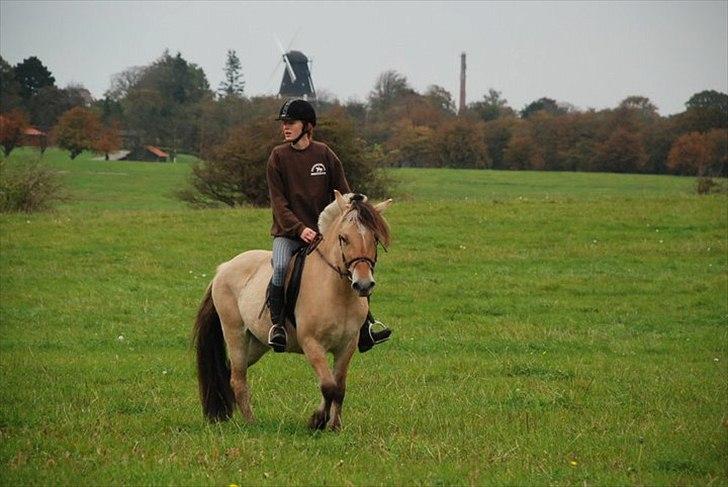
{"x":291,"y":129}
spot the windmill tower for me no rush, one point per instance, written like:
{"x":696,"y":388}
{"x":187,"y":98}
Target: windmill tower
{"x":296,"y":80}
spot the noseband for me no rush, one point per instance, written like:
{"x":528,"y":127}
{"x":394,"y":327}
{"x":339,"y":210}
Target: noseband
{"x":346,"y":274}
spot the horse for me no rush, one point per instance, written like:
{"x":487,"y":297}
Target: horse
{"x":337,"y":279}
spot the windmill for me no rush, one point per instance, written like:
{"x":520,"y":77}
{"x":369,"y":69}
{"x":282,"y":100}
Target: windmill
{"x":296,"y":80}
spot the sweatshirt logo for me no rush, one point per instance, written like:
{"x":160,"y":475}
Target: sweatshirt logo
{"x":318,"y":169}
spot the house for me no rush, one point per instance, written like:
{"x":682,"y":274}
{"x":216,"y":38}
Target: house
{"x":35,"y":138}
{"x":147,"y":153}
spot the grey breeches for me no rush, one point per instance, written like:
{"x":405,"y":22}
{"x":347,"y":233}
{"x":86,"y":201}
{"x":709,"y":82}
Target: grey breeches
{"x":283,"y":249}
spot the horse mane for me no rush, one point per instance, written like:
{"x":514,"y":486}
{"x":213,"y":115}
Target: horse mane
{"x":361,"y":212}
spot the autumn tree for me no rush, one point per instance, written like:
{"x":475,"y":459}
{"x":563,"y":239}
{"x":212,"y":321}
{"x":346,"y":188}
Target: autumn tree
{"x":522,"y":151}
{"x":77,"y":130}
{"x":698,"y":154}
{"x":623,"y":151}
{"x":412,"y":145}
{"x":460,"y":143}
{"x":12,"y":125}
{"x":109,"y":140}
{"x":232,"y":84}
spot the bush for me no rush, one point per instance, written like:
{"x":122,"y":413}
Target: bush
{"x":27,"y":185}
{"x":234,"y":172}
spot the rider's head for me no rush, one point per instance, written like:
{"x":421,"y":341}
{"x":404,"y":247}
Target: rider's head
{"x":298,"y":118}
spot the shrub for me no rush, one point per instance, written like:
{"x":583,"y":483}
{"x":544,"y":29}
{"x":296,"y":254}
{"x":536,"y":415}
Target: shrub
{"x":27,"y":185}
{"x":12,"y":125}
{"x":234,"y":173}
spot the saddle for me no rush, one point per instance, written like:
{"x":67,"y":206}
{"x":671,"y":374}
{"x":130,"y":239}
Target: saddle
{"x":292,"y":286}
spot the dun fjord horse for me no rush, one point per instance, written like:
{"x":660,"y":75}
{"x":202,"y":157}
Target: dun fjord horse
{"x":331,"y":307}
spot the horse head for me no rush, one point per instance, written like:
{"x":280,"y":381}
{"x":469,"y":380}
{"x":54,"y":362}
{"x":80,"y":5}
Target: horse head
{"x":357,"y":228}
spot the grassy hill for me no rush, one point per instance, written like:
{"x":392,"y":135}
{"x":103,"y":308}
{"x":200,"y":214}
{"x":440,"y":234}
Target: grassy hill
{"x":549,"y":328}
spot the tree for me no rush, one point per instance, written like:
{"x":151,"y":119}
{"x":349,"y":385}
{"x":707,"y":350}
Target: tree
{"x":440,"y":98}
{"x":497,"y":134}
{"x":77,"y":130}
{"x":232,"y":85}
{"x":697,"y":154}
{"x":492,"y":106}
{"x":412,"y":145}
{"x":9,"y":87}
{"x":389,"y":87}
{"x":640,"y":104}
{"x":109,"y":140}
{"x":623,"y":151}
{"x":546,"y":104}
{"x":12,"y":125}
{"x":32,"y":76}
{"x":460,"y":143}
{"x":122,"y":83}
{"x":522,"y":151}
{"x":163,"y":105}
{"x":706,"y":110}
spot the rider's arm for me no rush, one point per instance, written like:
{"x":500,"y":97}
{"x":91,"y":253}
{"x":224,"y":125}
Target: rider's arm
{"x":286,"y":219}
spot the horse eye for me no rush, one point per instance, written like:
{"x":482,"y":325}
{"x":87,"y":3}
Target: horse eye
{"x":343,"y":240}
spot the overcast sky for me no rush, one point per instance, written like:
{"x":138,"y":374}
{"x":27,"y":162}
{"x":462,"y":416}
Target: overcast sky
{"x":592,"y":55}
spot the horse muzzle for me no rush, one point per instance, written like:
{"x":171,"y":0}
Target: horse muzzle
{"x":363,"y":287}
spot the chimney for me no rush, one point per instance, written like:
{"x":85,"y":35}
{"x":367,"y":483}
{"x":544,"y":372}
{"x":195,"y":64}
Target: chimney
{"x":461,"y":109}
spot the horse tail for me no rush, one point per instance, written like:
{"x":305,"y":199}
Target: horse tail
{"x":213,"y":371}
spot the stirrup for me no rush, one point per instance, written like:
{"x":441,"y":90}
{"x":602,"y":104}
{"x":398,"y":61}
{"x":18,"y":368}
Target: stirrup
{"x":379,"y":336}
{"x":277,"y":346}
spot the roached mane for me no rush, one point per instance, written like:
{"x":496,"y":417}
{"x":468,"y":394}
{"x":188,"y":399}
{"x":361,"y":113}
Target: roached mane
{"x":362,"y":212}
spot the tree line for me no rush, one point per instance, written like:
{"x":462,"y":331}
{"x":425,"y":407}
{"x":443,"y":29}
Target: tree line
{"x":169,"y":103}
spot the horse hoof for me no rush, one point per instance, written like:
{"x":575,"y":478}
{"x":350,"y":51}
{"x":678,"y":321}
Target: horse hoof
{"x":335,"y":425}
{"x":318,"y":420}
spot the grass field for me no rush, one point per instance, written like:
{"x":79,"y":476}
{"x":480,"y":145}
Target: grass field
{"x":550,"y":328}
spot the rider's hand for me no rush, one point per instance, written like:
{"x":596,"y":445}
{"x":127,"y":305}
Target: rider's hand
{"x":307,"y":235}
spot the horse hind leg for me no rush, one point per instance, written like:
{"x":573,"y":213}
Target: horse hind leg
{"x":237,"y":339}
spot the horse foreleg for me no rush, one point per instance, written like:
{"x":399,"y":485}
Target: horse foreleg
{"x":342,"y":359}
{"x":316,"y":356}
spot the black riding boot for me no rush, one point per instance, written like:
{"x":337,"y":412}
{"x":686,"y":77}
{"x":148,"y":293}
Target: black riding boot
{"x":368,"y":337}
{"x":277,"y":333}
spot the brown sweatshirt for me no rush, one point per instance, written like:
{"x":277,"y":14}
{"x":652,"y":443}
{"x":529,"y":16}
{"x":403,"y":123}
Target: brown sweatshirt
{"x":301,"y":184}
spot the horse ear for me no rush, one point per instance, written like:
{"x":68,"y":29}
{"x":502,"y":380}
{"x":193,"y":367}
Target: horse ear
{"x":340,"y":200}
{"x":380,"y":207}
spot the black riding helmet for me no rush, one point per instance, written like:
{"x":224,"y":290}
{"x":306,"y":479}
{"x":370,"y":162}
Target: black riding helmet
{"x":297,"y":109}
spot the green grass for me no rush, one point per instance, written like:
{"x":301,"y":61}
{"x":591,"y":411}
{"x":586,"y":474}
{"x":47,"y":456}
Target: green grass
{"x":550,"y":328}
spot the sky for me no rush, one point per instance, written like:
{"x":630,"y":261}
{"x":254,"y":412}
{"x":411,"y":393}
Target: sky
{"x":591,"y":55}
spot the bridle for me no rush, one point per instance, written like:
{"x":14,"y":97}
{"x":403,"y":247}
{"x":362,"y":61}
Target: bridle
{"x":346,"y":274}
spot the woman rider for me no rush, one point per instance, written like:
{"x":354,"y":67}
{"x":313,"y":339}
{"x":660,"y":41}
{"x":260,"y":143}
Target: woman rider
{"x":302,"y":176}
